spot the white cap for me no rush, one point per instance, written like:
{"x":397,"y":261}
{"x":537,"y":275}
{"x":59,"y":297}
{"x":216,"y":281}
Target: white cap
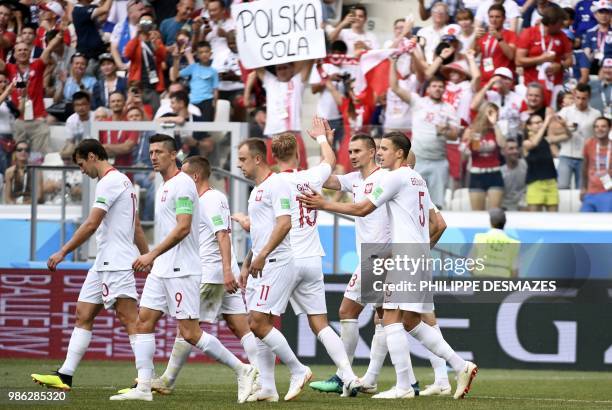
{"x":504,"y":72}
{"x":601,"y":5}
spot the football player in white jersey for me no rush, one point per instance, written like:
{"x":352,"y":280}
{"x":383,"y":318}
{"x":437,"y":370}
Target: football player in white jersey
{"x":172,"y":287}
{"x":110,"y":282}
{"x":404,"y":193}
{"x":309,"y":294}
{"x":218,"y":290}
{"x":271,"y":268}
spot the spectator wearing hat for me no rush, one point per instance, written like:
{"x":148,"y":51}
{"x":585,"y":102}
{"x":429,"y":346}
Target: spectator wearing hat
{"x":578,"y":121}
{"x":512,"y":13}
{"x":352,"y":30}
{"x":51,"y":15}
{"x":596,"y":189}
{"x":584,"y":18}
{"x":108,"y":83}
{"x":430,"y":36}
{"x":124,"y":31}
{"x":544,"y":51}
{"x":170,"y":26}
{"x":497,"y":46}
{"x":7,"y":38}
{"x":147,"y":56}
{"x":597,"y":41}
{"x":87,"y":19}
{"x":484,"y":141}
{"x":498,"y":90}
{"x":601,"y":89}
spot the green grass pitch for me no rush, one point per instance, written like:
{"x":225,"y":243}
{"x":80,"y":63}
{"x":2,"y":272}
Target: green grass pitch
{"x":211,"y":386}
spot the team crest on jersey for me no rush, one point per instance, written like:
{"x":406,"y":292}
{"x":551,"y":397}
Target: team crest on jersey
{"x":368,"y":188}
{"x":164,"y":194}
{"x":259,"y":195}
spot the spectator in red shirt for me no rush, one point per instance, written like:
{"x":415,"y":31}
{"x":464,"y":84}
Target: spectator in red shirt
{"x":119,"y":144}
{"x":7,"y":38}
{"x":496,"y":46}
{"x":29,"y":92}
{"x":483,"y":139}
{"x":596,"y":191}
{"x":544,"y":50}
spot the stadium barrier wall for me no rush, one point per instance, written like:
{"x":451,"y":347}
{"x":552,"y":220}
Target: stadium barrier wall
{"x":37,"y":315}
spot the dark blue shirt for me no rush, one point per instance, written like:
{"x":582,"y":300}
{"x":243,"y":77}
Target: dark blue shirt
{"x":89,"y":41}
{"x":584,"y":18}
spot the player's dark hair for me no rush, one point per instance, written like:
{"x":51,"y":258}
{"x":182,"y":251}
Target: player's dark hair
{"x":583,"y":88}
{"x":400,"y":141}
{"x":437,"y":78}
{"x":200,"y":165}
{"x":89,"y":145}
{"x":81,"y":95}
{"x":498,"y":7}
{"x":181,"y":96}
{"x":369,"y":141}
{"x":256,"y":146}
{"x":167,"y":140}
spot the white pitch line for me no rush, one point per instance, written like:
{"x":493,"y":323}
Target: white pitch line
{"x":543,"y":399}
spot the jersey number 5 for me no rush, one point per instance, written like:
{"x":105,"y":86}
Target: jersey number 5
{"x":421,"y":208}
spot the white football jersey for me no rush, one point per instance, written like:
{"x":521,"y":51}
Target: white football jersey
{"x":269,"y":200}
{"x":214,"y":217}
{"x":304,"y":234}
{"x":372,"y":228}
{"x":177,"y":196}
{"x":115,"y":236}
{"x":407,"y":200}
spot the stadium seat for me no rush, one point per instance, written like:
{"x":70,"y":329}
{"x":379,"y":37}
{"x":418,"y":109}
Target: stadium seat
{"x":53,"y":158}
{"x":569,"y":200}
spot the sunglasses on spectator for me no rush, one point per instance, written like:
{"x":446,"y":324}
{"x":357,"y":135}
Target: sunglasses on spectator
{"x":22,"y":150}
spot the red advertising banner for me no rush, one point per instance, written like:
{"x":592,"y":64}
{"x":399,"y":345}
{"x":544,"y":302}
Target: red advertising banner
{"x":37,"y":312}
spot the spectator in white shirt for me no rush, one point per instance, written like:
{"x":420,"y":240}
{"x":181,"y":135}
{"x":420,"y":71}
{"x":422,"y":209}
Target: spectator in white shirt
{"x":165,"y":103}
{"x":78,"y":124}
{"x":215,"y":29}
{"x":430,"y":36}
{"x":356,"y":20}
{"x":231,"y":87}
{"x":402,"y":28}
{"x":578,"y":120}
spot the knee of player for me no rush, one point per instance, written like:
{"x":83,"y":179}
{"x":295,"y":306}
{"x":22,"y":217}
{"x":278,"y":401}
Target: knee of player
{"x":237,"y":324}
{"x":411,"y":320}
{"x":190,"y":331}
{"x":259,"y":326}
{"x":84,"y":320}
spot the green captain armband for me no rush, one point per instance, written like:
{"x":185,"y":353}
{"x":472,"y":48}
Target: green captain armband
{"x":377,"y":193}
{"x":285,"y":203}
{"x":184,"y":206}
{"x":217,"y":220}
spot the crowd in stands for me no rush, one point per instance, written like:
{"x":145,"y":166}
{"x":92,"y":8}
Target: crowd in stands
{"x":511,"y":99}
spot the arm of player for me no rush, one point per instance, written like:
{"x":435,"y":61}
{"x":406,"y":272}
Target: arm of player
{"x":281,"y":229}
{"x":180,"y":231}
{"x":315,"y":200}
{"x":243,"y":220}
{"x":139,"y":237}
{"x":244,"y":271}
{"x":225,"y":247}
{"x":437,"y":226}
{"x":84,"y":232}
{"x":333,"y":183}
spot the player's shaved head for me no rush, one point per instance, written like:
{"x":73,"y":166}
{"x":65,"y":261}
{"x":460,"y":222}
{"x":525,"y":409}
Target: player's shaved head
{"x":284,"y":146}
{"x":167,"y":141}
{"x":399,"y":141}
{"x":256,"y":147}
{"x":198,"y":165}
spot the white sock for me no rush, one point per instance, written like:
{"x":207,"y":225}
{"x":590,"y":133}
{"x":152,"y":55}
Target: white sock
{"x":399,"y":350}
{"x":178,"y":357}
{"x":278,"y":344}
{"x":266,"y":360}
{"x":335,"y":350}
{"x":433,"y":340}
{"x":132,"y":340}
{"x":378,"y":352}
{"x":349,"y":333}
{"x":213,"y":347}
{"x":439,"y":366}
{"x":249,"y":344}
{"x":79,"y":342}
{"x":144,"y":350}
